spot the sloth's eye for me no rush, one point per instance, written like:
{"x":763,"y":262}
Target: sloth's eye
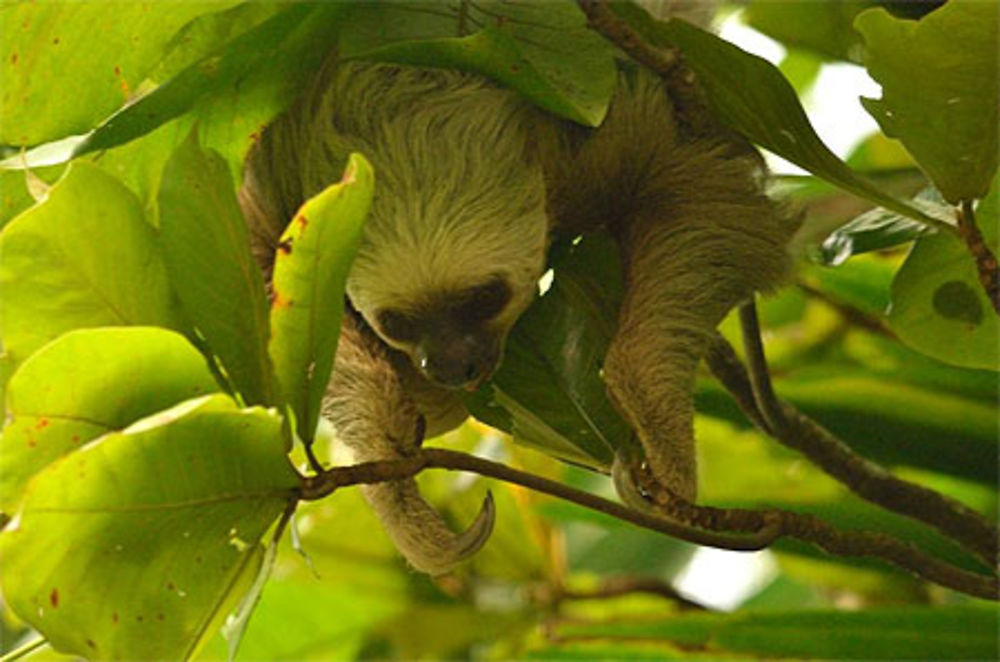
{"x":484,"y":302}
{"x":398,"y":326}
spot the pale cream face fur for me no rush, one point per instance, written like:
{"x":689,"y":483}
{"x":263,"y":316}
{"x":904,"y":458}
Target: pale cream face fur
{"x":438,"y":224}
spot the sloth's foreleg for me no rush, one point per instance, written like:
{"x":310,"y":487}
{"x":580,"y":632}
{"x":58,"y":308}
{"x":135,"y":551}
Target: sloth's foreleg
{"x":373,"y":415}
{"x":702,"y":239}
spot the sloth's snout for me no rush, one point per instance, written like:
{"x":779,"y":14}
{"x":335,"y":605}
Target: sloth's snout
{"x":464,"y":361}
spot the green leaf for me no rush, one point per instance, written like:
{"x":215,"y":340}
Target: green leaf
{"x":824,"y":27}
{"x":279,"y":41}
{"x":207,"y":253}
{"x":310,"y":273}
{"x":548,"y":391}
{"x":84,"y":257}
{"x":542,"y":50}
{"x":892,"y":633}
{"x":940,"y":82}
{"x":87,"y":383}
{"x":750,"y":95}
{"x":67,"y":65}
{"x":130,"y":547}
{"x":939,"y":306}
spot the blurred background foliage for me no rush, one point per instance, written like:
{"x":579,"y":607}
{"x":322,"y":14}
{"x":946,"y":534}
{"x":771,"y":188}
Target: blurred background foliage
{"x":556,"y":582}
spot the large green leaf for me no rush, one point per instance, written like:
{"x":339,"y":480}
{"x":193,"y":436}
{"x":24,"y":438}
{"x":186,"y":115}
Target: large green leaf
{"x":548,"y":391}
{"x":750,"y":95}
{"x":87,"y":383}
{"x":207,"y":253}
{"x":955,"y":632}
{"x":542,"y":50}
{"x":129,"y":547}
{"x":285,"y":43}
{"x":310,"y":273}
{"x":84,"y":257}
{"x":69,"y":64}
{"x":940,"y":81}
{"x":939,"y":306}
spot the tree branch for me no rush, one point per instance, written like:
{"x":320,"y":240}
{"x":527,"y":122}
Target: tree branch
{"x":322,"y":484}
{"x":613,"y":587}
{"x":724,"y":528}
{"x":865,"y":478}
{"x":986,"y":261}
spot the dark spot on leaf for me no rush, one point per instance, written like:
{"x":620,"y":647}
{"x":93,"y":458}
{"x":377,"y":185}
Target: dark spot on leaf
{"x":302,"y":221}
{"x":285,"y":247}
{"x":76,"y":437}
{"x":118,"y":71}
{"x":139,"y":618}
{"x":114,"y":617}
{"x":350,"y":175}
{"x":42,"y":423}
{"x":55,"y":42}
{"x":13,"y":58}
{"x":170,"y":586}
{"x":54,"y":597}
{"x":278,"y":301}
{"x":90,"y":642}
{"x":514,"y":68}
{"x":160,"y":617}
{"x":31,"y":442}
{"x":956,"y":300}
{"x":197,"y":559}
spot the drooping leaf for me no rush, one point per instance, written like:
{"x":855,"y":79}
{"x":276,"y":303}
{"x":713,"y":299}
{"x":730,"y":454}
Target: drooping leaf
{"x":750,"y":95}
{"x":84,"y":257}
{"x":548,"y":391}
{"x":93,"y":54}
{"x":939,"y":306}
{"x":285,"y":43}
{"x":310,"y":273}
{"x":87,"y":383}
{"x":130,"y":547}
{"x":207,"y":252}
{"x":954,"y":632}
{"x":940,"y":82}
{"x":542,"y":50}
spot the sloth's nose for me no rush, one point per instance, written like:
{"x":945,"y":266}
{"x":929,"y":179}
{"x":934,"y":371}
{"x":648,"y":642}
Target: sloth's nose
{"x":457,"y":362}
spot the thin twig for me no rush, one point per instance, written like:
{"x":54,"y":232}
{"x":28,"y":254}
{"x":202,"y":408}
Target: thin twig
{"x":614,"y":587}
{"x":865,"y":478}
{"x":986,"y":261}
{"x":322,"y":484}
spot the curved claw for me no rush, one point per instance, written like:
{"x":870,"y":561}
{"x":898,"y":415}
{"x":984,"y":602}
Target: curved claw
{"x":419,"y":531}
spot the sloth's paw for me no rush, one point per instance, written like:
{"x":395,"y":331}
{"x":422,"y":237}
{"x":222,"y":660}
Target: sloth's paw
{"x":420,"y":533}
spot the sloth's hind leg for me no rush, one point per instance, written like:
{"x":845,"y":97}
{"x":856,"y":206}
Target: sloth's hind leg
{"x":373,"y":415}
{"x":702,"y":239}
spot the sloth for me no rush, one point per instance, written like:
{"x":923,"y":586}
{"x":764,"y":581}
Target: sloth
{"x":472,"y":184}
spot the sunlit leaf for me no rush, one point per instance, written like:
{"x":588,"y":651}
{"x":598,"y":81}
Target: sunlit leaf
{"x":310,"y":273}
{"x":95,"y":56}
{"x":87,"y":383}
{"x":84,"y":257}
{"x":130,"y":547}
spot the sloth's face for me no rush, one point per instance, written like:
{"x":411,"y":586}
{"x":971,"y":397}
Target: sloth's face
{"x":455,"y":339}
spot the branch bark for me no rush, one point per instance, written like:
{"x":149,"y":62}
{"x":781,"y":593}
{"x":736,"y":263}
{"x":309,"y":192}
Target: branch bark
{"x":865,"y":478}
{"x":986,"y":261}
{"x":725,"y":528}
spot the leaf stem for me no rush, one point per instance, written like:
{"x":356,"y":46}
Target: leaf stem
{"x":986,"y":261}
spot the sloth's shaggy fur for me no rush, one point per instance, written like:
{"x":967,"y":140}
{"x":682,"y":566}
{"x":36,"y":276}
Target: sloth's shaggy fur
{"x":471,"y":182}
